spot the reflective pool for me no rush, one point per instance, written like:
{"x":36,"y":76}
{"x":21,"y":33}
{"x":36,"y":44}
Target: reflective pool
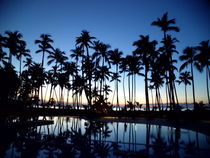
{"x":79,"y":137}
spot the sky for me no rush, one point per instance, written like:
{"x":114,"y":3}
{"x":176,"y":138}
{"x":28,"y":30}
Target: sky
{"x":115,"y":22}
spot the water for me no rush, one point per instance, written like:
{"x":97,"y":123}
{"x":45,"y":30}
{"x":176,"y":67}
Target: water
{"x":79,"y":137}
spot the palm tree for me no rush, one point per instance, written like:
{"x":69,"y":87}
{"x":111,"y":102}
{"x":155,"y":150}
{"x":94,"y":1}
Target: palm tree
{"x":123,"y":68}
{"x":145,"y":49}
{"x":12,"y":42}
{"x":56,"y":56}
{"x":185,"y":78}
{"x":103,"y":75}
{"x":37,"y":76}
{"x":85,"y":41}
{"x":76,"y":53}
{"x":28,"y":62}
{"x":189,"y":59}
{"x":115,"y":58}
{"x":134,"y":68}
{"x":165,"y":24}
{"x":101,"y":51}
{"x":45,"y":45}
{"x":168,"y":50}
{"x":106,"y":90}
{"x":157,"y":78}
{"x":78,"y":85}
{"x":22,"y":51}
{"x":203,"y":61}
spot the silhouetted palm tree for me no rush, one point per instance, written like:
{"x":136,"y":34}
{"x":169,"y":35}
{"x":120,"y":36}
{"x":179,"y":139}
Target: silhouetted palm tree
{"x":168,"y":50}
{"x":123,"y":69}
{"x":37,"y":76}
{"x":101,"y":52}
{"x":189,"y":59}
{"x":157,"y":78}
{"x":28,"y":62}
{"x":115,"y":58}
{"x":56,"y":56}
{"x":106,"y":90}
{"x":166,"y":24}
{"x":203,"y":61}
{"x":104,"y":75}
{"x":77,"y":53}
{"x":78,"y":85}
{"x":85,"y":41}
{"x":185,"y":78}
{"x":12,"y":42}
{"x":45,"y":45}
{"x":134,"y":68}
{"x":144,"y":50}
{"x":22,"y":51}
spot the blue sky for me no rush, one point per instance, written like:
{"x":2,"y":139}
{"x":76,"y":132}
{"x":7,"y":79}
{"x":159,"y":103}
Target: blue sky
{"x":115,"y":22}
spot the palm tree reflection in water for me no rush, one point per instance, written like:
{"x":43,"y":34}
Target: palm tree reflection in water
{"x":76,"y":137}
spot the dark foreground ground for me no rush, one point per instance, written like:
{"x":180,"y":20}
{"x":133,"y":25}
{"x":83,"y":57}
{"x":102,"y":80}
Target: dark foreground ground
{"x":193,"y":120}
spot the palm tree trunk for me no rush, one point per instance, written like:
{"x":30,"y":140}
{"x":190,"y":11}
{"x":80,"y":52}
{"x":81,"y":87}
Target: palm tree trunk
{"x":117,"y":87}
{"x":177,"y":101}
{"x":207,"y":83}
{"x":10,"y":57}
{"x":172,"y":90}
{"x":146,"y":90}
{"x":157,"y":98}
{"x":43,"y":59}
{"x":129,"y":93}
{"x":166,"y":97}
{"x":193,"y":85}
{"x":20,"y":65}
{"x":124,"y":88}
{"x":186,"y":96}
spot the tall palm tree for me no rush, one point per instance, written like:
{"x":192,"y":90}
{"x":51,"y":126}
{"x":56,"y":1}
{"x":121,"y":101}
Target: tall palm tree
{"x":115,"y":58}
{"x":144,"y":50}
{"x":168,"y":25}
{"x":185,"y":78}
{"x":134,"y":68}
{"x":22,"y":51}
{"x":85,"y":42}
{"x":45,"y":45}
{"x":12,"y":42}
{"x":37,"y":76}
{"x":203,"y":61}
{"x":71,"y":69}
{"x":189,"y":59}
{"x":168,"y":49}
{"x":157,"y":78}
{"x":123,"y":69}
